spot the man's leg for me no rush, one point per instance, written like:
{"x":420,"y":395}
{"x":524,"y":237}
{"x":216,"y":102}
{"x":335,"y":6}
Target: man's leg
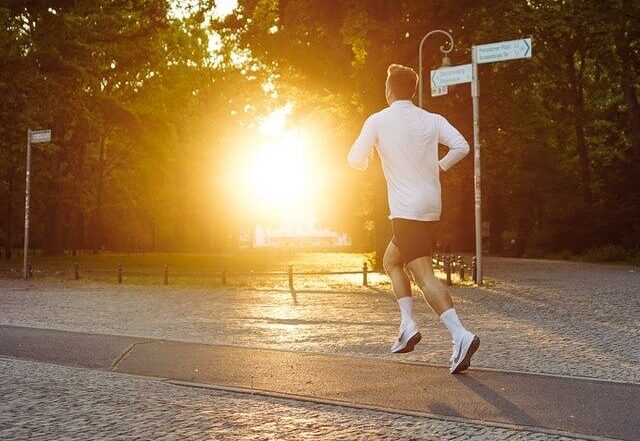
{"x":394,"y":266}
{"x":436,"y":295}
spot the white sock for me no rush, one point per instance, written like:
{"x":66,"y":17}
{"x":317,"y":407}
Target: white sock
{"x":406,"y":309}
{"x":450,"y":319}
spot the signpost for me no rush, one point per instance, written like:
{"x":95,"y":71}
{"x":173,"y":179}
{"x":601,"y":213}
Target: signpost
{"x":33,"y":137}
{"x":484,"y":53}
{"x":487,"y":53}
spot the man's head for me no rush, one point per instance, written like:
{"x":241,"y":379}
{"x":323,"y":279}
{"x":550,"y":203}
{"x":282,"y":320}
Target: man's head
{"x":401,"y":83}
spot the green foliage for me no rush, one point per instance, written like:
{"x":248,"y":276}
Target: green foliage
{"x":143,"y":116}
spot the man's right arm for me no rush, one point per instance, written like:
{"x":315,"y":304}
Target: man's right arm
{"x":363,"y":146}
{"x":452,"y":138}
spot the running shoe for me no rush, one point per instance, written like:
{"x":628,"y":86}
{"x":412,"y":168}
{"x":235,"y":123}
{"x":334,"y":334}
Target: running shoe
{"x":408,"y":338}
{"x":463,"y":350}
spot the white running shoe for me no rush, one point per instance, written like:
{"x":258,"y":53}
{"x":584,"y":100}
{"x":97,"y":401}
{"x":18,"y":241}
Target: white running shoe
{"x":408,"y":338}
{"x":463,"y":351}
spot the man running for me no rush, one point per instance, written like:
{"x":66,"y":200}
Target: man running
{"x":407,"y":139}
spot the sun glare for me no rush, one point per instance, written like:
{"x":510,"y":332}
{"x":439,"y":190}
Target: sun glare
{"x":274,"y":123}
{"x":277,"y":172}
{"x":279,"y":175}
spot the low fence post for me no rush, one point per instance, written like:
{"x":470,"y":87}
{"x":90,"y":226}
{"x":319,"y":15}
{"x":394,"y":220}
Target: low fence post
{"x":364,"y":274}
{"x":120,"y":273}
{"x":76,"y":271}
{"x":447,"y":268}
{"x":166,"y":275}
{"x":474,"y":269}
{"x":29,"y":271}
{"x":291,"y":277}
{"x":462,"y":269}
{"x":223,"y":277}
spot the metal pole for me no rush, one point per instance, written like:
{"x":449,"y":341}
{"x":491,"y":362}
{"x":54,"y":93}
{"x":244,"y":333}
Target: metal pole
{"x":475,"y":93}
{"x":442,"y":49}
{"x":26,"y":209}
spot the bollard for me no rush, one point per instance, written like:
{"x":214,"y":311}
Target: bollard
{"x":76,"y":271}
{"x":223,"y":277}
{"x":474,"y":269}
{"x":120,"y":273}
{"x":447,"y":268}
{"x":291,"y":277}
{"x":364,"y":274}
{"x":166,"y":275}
{"x":29,"y":271}
{"x":460,"y":262}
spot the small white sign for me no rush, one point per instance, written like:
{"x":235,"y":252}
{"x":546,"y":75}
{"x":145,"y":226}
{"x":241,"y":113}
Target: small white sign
{"x":439,"y":90}
{"x":503,"y":51}
{"x":447,"y":76}
{"x":40,"y":136}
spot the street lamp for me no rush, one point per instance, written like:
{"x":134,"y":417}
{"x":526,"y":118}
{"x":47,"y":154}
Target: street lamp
{"x":445,"y":59}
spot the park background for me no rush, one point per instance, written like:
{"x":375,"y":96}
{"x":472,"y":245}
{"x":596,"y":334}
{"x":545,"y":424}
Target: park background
{"x":177,"y":126}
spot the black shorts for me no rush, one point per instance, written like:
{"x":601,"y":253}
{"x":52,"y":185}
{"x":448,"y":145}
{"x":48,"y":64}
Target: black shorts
{"x":414,"y":238}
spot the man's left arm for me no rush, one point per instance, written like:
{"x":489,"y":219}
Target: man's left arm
{"x":363,"y":146}
{"x":452,"y":138}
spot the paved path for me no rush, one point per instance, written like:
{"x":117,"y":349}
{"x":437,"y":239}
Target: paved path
{"x":43,"y":402}
{"x":594,"y":408}
{"x":534,"y":316}
{"x":558,"y":311}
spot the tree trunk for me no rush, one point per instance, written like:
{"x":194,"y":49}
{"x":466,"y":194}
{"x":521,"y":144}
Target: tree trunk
{"x":8,"y":218}
{"x":97,"y":220}
{"x":381,"y":223}
{"x":576,"y":85}
{"x":53,"y":220}
{"x":630,"y":94}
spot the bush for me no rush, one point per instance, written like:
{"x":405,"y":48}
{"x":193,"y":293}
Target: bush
{"x":610,"y":253}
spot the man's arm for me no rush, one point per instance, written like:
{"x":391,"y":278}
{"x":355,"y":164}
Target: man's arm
{"x":361,"y":150}
{"x":458,"y":146}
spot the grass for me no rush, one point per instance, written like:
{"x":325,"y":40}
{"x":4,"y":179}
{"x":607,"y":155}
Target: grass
{"x":243,"y":261}
{"x":604,"y":254}
{"x":202,"y":269}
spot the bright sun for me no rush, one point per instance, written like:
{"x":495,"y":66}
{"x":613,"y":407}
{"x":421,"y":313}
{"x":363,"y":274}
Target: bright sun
{"x":279,"y":174}
{"x":280,"y":177}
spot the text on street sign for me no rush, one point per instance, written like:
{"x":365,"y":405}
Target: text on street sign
{"x":503,"y":51}
{"x":41,"y":136}
{"x":447,"y":76}
{"x":439,"y":90}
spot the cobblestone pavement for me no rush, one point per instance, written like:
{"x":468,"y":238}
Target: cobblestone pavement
{"x":44,"y":402}
{"x":534,"y":316}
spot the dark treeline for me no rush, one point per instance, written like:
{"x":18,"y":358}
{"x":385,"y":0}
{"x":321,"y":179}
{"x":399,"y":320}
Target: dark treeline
{"x":143,"y":115}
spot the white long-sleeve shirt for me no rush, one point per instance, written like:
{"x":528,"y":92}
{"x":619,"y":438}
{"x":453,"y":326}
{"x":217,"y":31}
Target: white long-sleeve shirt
{"x":407,"y":139}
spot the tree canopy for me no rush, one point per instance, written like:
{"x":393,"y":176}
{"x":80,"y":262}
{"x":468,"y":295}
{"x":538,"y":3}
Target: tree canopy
{"x":148,"y":100}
